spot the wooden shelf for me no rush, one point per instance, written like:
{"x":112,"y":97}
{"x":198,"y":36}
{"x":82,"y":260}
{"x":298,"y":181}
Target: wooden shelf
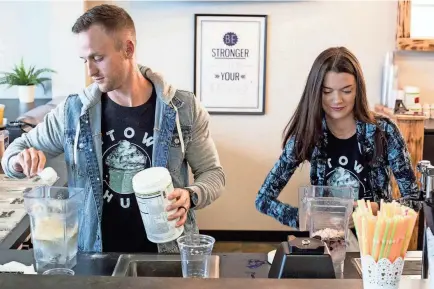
{"x":388,"y":112}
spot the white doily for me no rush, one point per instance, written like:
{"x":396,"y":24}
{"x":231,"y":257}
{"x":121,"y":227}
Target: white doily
{"x":382,"y":274}
{"x":430,"y":245}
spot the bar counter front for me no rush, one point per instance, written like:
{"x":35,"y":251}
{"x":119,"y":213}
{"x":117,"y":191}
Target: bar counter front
{"x":236,"y":270}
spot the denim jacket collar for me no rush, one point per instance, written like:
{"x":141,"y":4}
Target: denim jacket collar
{"x":91,"y":95}
{"x":167,"y":104}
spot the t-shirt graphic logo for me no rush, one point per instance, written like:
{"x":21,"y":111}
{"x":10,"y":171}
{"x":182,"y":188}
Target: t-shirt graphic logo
{"x":341,"y":177}
{"x":123,"y":160}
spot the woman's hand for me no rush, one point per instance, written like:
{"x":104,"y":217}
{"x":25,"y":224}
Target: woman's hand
{"x":374,"y":206}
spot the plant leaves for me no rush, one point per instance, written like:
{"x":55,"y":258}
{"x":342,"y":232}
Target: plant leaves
{"x":43,"y":70}
{"x":22,"y":76}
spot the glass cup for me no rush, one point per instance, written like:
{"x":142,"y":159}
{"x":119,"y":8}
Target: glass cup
{"x":195,"y":250}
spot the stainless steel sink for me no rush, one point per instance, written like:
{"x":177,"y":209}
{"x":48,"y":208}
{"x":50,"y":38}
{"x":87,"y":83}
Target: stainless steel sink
{"x":136,"y":265}
{"x":412,"y":265}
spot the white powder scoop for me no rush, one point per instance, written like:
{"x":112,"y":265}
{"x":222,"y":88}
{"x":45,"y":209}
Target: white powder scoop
{"x":48,"y":175}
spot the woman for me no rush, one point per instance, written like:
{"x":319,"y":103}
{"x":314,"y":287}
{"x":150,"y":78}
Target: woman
{"x":345,"y":143}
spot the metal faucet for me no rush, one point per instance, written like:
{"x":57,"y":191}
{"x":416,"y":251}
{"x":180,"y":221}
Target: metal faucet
{"x":427,"y":182}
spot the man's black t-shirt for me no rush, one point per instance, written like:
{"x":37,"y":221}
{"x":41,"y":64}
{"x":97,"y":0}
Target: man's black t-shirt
{"x":127,"y":149}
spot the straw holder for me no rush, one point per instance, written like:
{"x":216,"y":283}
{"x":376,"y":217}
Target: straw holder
{"x":382,"y":274}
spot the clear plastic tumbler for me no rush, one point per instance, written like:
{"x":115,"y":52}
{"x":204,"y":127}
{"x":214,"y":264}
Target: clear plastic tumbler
{"x":195,"y":250}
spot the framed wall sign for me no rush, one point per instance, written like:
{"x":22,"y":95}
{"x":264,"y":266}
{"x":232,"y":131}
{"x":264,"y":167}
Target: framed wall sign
{"x":229,"y":64}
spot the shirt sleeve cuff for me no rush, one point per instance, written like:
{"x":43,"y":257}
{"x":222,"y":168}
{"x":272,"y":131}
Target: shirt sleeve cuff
{"x":12,"y":172}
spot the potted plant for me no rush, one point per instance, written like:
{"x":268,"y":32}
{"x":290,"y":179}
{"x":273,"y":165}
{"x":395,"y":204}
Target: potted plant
{"x":25,"y":79}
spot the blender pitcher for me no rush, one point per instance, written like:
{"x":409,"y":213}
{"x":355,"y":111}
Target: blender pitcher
{"x":329,"y":218}
{"x":53,"y":213}
{"x":306,"y":192}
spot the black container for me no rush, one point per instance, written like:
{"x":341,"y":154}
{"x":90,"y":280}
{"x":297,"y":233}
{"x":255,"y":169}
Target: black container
{"x":302,"y":258}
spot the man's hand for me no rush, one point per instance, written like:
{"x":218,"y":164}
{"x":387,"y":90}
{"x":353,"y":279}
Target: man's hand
{"x":30,"y":162}
{"x":181,"y":205}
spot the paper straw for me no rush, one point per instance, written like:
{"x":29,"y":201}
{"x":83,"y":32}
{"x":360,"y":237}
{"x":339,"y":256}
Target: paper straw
{"x":369,"y":207}
{"x":378,"y":236}
{"x":392,"y":236}
{"x":398,"y":209}
{"x":358,"y":226}
{"x":400,"y":236}
{"x":357,"y":223}
{"x":409,"y":233}
{"x":365,"y":236}
{"x":388,"y":233}
{"x":371,"y":232}
{"x":384,"y":239}
{"x":361,"y":205}
{"x":396,"y":238}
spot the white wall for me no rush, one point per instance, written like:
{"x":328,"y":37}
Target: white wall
{"x":40,"y":32}
{"x":248,"y":145}
{"x":417,"y":69}
{"x":297,"y":33}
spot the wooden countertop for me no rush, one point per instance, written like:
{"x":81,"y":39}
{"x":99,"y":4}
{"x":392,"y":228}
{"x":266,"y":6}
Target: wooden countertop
{"x":388,"y":112}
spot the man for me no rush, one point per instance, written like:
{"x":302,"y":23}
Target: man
{"x":129,"y":119}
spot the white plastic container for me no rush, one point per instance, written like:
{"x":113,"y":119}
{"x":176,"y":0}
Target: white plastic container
{"x":416,"y":108}
{"x":152,"y":187}
{"x":400,"y":95}
{"x":412,"y":95}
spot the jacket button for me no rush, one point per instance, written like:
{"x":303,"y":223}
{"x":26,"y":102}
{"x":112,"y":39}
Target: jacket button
{"x":177,"y":141}
{"x":81,"y":145}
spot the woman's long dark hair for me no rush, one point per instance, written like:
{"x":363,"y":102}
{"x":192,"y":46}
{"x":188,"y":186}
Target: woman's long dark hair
{"x":305,"y":125}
